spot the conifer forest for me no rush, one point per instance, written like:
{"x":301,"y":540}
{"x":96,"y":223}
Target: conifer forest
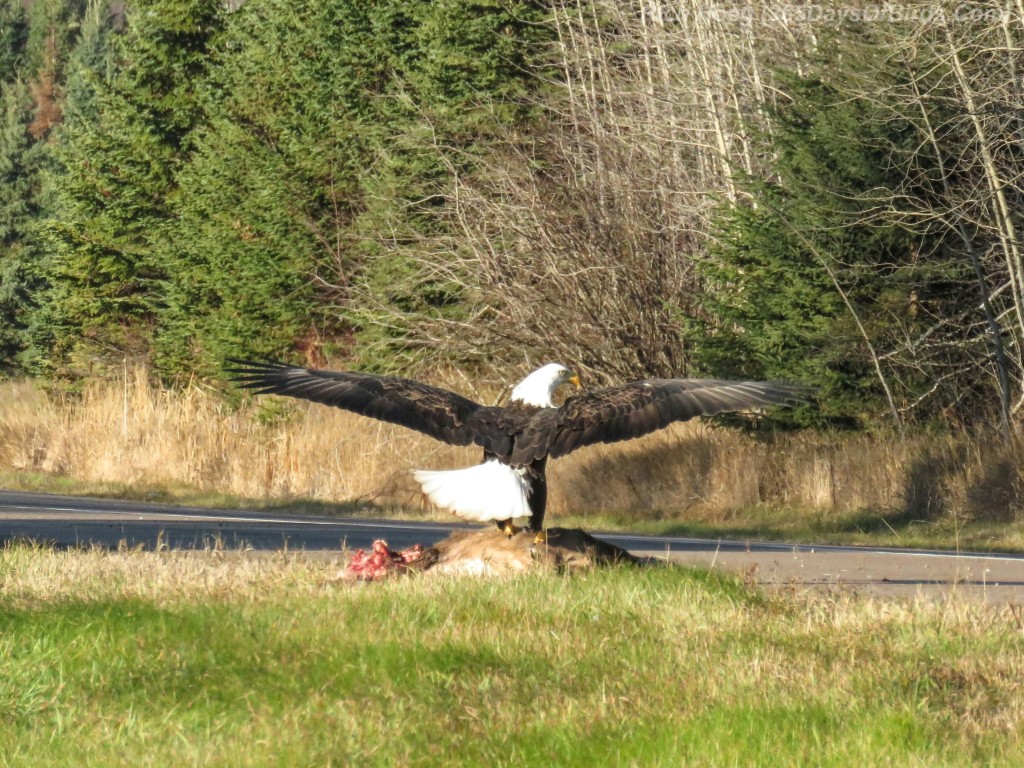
{"x":827,"y":193}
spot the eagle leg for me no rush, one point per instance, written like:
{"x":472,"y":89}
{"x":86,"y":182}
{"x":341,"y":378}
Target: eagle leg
{"x":538,"y":499}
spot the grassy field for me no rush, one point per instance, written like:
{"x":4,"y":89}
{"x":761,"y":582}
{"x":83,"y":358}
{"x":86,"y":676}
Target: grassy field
{"x":129,"y":439}
{"x":207,"y":658}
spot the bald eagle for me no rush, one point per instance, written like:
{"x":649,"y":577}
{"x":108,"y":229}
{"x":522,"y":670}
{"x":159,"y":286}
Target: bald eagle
{"x":517,"y":439}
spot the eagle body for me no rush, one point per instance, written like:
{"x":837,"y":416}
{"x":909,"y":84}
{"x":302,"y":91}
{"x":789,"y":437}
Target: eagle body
{"x":517,"y":439}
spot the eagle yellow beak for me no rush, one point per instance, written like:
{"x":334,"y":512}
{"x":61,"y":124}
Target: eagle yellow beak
{"x":575,"y":380}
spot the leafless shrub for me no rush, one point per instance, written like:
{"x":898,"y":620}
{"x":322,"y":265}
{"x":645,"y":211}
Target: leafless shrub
{"x":953,"y":76}
{"x":578,"y":241}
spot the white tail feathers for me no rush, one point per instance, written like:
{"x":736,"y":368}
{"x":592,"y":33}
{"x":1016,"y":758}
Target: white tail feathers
{"x":488,"y":491}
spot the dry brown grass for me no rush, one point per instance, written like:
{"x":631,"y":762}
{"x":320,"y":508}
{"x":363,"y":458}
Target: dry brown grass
{"x":132,"y":434}
{"x":30,"y":575}
{"x":136,"y":434}
{"x":714,"y":472}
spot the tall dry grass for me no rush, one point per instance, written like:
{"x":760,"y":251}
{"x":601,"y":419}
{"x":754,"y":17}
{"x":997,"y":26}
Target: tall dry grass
{"x":131,"y":433}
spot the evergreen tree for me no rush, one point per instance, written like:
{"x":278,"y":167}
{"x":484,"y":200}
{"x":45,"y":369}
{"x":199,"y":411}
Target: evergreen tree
{"x":119,"y":151}
{"x":465,"y":67}
{"x":35,"y":39}
{"x":327,"y":119}
{"x":89,"y":65}
{"x":21,"y":160}
{"x":273,"y":179}
{"x":13,"y":37}
{"x":803,"y":285}
{"x":51,"y":29}
{"x":91,"y":62}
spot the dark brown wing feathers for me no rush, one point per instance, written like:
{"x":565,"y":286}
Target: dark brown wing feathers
{"x":436,"y":412}
{"x":518,"y":434}
{"x":635,"y":409}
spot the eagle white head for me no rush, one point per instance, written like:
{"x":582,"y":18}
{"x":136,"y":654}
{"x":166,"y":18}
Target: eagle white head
{"x":539,"y":387}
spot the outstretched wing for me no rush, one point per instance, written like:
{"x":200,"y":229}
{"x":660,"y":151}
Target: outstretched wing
{"x":640,"y":407}
{"x":436,"y":412}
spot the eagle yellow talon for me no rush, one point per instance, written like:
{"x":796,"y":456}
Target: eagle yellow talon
{"x":510,"y":530}
{"x":540,"y":538}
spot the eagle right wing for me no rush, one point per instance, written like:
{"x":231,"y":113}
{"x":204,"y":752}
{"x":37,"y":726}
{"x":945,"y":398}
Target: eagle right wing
{"x":635,"y":409}
{"x":437,"y":412}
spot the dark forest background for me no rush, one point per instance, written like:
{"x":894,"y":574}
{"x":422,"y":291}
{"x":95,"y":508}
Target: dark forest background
{"x":636,"y":189}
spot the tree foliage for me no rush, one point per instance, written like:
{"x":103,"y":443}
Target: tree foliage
{"x":320,"y":165}
{"x":118,"y":155}
{"x":13,"y":38}
{"x":665,"y":189}
{"x":21,"y":164}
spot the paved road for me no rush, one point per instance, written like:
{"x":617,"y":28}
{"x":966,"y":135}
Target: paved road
{"x":66,"y":521}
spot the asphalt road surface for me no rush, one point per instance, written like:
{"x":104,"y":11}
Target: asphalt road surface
{"x":66,"y":521}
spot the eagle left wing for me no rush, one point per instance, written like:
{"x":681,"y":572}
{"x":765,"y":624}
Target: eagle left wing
{"x":640,"y":407}
{"x":443,"y":415}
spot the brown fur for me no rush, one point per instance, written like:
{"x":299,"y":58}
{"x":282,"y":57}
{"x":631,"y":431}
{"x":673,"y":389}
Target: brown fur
{"x":488,"y":552}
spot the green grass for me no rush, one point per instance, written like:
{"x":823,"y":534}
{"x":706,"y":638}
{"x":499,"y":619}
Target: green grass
{"x":210,"y":659}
